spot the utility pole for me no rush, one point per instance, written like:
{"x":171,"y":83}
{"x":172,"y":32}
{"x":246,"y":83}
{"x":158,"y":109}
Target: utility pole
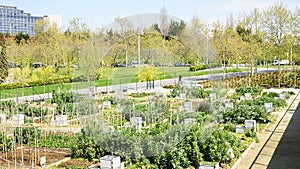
{"x":139,"y":51}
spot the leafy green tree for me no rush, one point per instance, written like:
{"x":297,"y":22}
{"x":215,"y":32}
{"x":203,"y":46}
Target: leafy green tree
{"x":85,"y":148}
{"x":276,"y":20}
{"x":176,"y":28}
{"x":21,"y":36}
{"x":3,"y":59}
{"x":199,"y":39}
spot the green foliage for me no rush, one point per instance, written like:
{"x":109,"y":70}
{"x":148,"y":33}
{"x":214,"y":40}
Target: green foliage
{"x":63,"y":97}
{"x":205,"y":107}
{"x":85,"y":107}
{"x":85,"y":147}
{"x":217,"y":145}
{"x":36,"y":82}
{"x":10,"y":107}
{"x":271,"y":94}
{"x":174,"y":93}
{"x":21,"y":36}
{"x":204,"y":66}
{"x":31,"y":111}
{"x":277,"y":103}
{"x":200,"y":93}
{"x":251,"y":133}
{"x":175,"y":158}
{"x":56,"y":141}
{"x":176,"y":28}
{"x":3,"y":59}
{"x":239,"y":113}
{"x":254,"y":90}
{"x":5,"y":143}
{"x":229,"y":127}
{"x":198,"y":67}
{"x":26,"y":134}
{"x":141,"y":95}
{"x":7,"y":107}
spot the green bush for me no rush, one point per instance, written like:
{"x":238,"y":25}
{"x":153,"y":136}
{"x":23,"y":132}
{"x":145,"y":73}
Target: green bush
{"x":217,"y":145}
{"x":229,"y":127}
{"x":254,"y":90}
{"x":58,"y":80}
{"x":204,"y":66}
{"x":198,"y":67}
{"x":175,"y":92}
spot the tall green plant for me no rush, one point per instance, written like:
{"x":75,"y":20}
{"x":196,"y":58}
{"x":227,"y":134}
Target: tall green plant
{"x":3,"y":59}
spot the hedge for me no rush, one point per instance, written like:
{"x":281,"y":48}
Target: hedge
{"x":204,"y":66}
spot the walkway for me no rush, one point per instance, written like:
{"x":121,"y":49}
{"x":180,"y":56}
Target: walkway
{"x":279,"y":144}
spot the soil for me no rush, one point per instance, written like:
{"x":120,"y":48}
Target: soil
{"x":76,"y":162}
{"x":31,"y":156}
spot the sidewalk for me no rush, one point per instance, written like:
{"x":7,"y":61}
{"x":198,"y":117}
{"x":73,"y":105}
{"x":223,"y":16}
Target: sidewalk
{"x":284,"y":145}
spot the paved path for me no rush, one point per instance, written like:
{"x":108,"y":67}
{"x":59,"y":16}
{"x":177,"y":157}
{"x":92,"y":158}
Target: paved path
{"x":287,"y":153}
{"x":137,"y":86}
{"x":279,"y":144}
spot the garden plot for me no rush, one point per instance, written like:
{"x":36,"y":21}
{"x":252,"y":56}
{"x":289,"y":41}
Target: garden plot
{"x":25,"y":157}
{"x":149,"y":124}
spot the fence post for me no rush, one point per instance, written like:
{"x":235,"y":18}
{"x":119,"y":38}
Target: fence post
{"x":17,"y":99}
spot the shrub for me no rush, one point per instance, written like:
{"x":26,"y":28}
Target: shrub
{"x":229,"y":127}
{"x":254,"y":90}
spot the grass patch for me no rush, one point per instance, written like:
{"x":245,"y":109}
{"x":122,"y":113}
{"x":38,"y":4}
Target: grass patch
{"x":113,"y":76}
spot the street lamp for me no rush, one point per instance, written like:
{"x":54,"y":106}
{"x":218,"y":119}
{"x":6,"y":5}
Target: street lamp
{"x":139,"y":51}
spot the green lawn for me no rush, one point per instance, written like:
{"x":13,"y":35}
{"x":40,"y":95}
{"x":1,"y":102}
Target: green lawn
{"x":112,"y":76}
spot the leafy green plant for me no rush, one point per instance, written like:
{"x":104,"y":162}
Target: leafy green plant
{"x":251,"y":133}
{"x":254,"y":90}
{"x":141,"y":95}
{"x":241,"y":112}
{"x":56,"y":141}
{"x":229,"y":127}
{"x":26,"y":134}
{"x":217,"y":145}
{"x":271,"y":94}
{"x":200,"y":93}
{"x":175,"y":92}
{"x":5,"y":143}
{"x":85,"y":147}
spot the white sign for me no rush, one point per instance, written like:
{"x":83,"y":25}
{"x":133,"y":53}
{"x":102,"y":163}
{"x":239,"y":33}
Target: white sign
{"x":250,"y":123}
{"x":282,"y":96}
{"x":106,"y":104}
{"x":182,"y":96}
{"x":240,"y":129}
{"x":269,"y":107}
{"x":213,"y":96}
{"x":188,"y":106}
{"x":248,"y":96}
{"x":189,"y":120}
{"x":229,"y":105}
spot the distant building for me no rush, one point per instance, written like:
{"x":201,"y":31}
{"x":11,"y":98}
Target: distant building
{"x":13,"y":20}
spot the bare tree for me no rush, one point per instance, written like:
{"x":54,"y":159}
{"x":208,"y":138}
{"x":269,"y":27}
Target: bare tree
{"x":164,"y":22}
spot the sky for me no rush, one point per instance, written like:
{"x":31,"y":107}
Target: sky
{"x":99,"y":13}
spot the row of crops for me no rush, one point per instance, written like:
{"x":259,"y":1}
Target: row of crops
{"x":166,"y":135}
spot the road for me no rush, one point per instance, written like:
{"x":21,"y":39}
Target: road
{"x":138,"y":86}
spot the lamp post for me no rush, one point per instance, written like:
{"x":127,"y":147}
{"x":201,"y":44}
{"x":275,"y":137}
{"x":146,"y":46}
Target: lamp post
{"x":139,"y":51}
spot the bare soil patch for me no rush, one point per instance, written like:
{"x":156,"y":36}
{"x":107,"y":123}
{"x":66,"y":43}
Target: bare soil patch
{"x":27,"y":157}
